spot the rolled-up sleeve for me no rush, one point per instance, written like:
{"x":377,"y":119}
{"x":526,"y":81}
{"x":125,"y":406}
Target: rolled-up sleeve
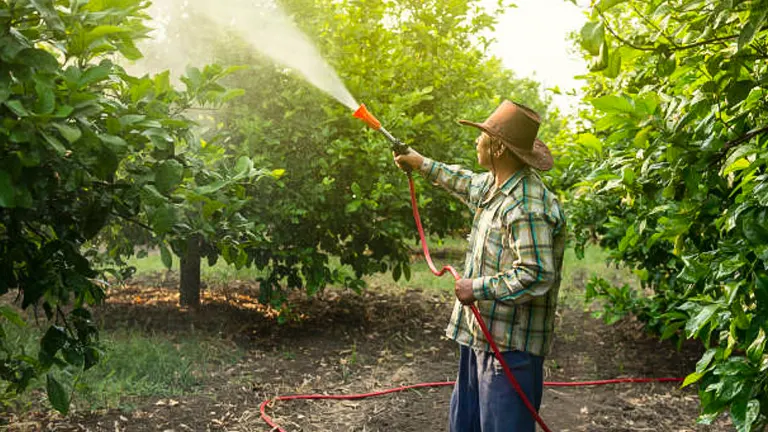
{"x":462,"y":183}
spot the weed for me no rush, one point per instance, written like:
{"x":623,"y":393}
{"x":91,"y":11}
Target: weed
{"x":134,"y":365}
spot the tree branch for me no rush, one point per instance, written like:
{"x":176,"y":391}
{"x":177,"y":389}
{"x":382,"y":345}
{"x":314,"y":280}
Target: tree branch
{"x":744,"y":138}
{"x":675,"y":46}
{"x":706,"y":42}
{"x":653,"y":24}
{"x":133,"y":221}
{"x":622,"y":40}
{"x":733,"y":143}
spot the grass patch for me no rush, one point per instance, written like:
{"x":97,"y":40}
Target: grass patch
{"x":135,"y":365}
{"x":219,"y":272}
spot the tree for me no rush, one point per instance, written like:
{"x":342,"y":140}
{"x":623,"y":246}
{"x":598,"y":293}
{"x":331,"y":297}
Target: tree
{"x":677,"y":178}
{"x":189,"y":193}
{"x":419,"y":67}
{"x":84,"y":145}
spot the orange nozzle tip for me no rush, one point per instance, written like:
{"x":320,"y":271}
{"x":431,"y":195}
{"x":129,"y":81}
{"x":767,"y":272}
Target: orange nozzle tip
{"x":363,"y":114}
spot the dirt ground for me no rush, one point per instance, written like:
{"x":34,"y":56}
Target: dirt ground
{"x":350,"y":343}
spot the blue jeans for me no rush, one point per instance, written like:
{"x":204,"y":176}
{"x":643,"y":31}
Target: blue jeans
{"x":484,"y":400}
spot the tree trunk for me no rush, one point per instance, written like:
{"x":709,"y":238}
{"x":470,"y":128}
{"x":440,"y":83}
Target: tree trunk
{"x":189,"y":288}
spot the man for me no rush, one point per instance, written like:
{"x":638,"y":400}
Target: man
{"x":512,"y":272}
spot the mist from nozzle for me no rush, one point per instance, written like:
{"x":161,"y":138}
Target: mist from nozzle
{"x":265,"y":26}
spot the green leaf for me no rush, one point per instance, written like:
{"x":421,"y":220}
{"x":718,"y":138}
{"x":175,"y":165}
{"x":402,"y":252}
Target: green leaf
{"x":63,"y":111}
{"x":168,"y":175}
{"x":356,"y":190}
{"x":590,"y":141}
{"x":94,"y":75}
{"x":91,"y":357}
{"x":756,"y":19}
{"x":671,"y":329}
{"x":48,"y":13}
{"x":613,"y":104}
{"x":756,"y":348}
{"x":353,"y":206}
{"x":738,"y":165}
{"x":74,"y":356}
{"x":165,"y":256}
{"x":130,"y":119}
{"x":17,"y":108}
{"x":667,"y":63}
{"x":614,"y":65}
{"x":54,"y":143}
{"x":103,"y":30}
{"x":129,"y":50}
{"x":697,"y":323}
{"x":693,"y":271}
{"x":744,"y":415}
{"x":53,"y":340}
{"x":231,"y":94}
{"x":114,"y":143}
{"x":601,"y":62}
{"x":692,"y":378}
{"x":7,"y":191}
{"x":738,"y":91}
{"x":163,"y":219}
{"x":396,"y":272}
{"x":57,"y":395}
{"x":160,"y":138}
{"x":212,"y":187}
{"x":5,"y":92}
{"x":592,"y":36}
{"x":739,"y":153}
{"x":70,"y":133}
{"x":11,"y":315}
{"x":243,"y":168}
{"x":39,"y":59}
{"x":604,"y":5}
{"x":628,"y":176}
{"x":703,"y":364}
{"x":754,"y":230}
{"x":731,"y":387}
{"x":46,"y":99}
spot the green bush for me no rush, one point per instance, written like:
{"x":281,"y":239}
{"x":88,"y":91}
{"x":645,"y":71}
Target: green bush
{"x":673,"y":167}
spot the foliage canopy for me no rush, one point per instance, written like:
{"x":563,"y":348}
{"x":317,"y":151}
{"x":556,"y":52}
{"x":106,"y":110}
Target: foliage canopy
{"x":673,"y":164}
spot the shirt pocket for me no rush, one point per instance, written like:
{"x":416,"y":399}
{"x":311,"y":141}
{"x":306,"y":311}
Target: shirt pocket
{"x":494,"y":247}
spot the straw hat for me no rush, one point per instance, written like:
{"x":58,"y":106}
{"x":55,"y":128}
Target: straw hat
{"x":517,"y":126}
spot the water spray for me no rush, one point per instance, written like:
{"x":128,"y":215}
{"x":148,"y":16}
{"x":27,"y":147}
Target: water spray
{"x":363,"y":114}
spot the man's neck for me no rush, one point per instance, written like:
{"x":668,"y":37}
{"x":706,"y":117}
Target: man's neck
{"x":504,"y":172}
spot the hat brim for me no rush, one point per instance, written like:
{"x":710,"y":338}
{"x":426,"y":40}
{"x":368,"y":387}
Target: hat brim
{"x":539,"y":157}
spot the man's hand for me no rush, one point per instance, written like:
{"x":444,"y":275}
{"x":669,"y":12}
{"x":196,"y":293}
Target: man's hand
{"x":464,"y":291}
{"x":409,"y":161}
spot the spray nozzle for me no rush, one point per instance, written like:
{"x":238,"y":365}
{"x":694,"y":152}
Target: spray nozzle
{"x":363,"y":114}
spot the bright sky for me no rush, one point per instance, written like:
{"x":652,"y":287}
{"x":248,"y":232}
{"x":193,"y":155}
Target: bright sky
{"x":532,"y":40}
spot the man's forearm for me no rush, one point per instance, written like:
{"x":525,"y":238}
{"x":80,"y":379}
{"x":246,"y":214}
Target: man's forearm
{"x":451,"y":177}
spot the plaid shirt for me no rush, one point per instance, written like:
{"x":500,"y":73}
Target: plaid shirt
{"x":515,"y":258}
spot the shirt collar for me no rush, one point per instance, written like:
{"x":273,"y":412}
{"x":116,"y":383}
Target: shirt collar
{"x":511,"y":183}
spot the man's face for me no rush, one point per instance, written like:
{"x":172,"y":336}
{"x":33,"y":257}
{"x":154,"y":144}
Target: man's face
{"x":483,"y":146}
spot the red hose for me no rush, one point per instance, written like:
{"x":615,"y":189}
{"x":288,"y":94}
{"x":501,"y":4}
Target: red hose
{"x":478,"y":318}
{"x":488,"y":337}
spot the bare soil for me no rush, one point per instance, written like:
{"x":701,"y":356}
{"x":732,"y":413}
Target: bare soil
{"x":353,"y":343}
